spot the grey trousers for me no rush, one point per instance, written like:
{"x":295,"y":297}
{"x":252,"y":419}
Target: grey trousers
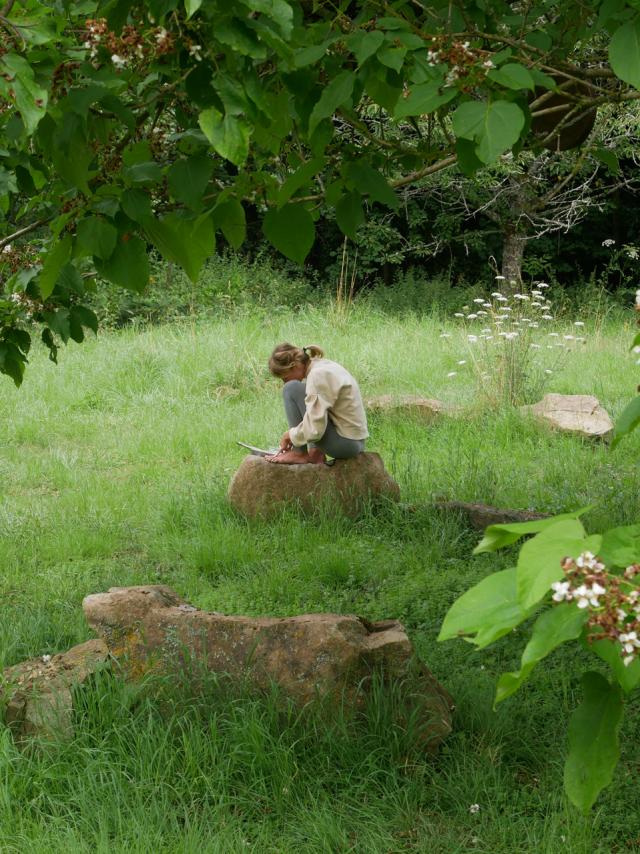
{"x":332,"y":443}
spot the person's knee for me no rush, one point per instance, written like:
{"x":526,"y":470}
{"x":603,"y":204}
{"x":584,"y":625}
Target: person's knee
{"x":293,"y":389}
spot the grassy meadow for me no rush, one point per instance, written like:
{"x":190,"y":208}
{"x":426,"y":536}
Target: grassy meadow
{"x":113,"y":471}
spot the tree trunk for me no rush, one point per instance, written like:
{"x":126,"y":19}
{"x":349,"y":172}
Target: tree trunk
{"x":512,"y":253}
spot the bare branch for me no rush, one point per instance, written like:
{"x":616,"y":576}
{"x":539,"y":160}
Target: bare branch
{"x":22,"y":231}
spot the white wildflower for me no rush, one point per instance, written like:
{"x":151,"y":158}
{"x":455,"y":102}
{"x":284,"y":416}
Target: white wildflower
{"x":578,"y":323}
{"x":472,"y":316}
{"x":479,"y":299}
{"x":118,"y":61}
{"x":548,"y":371}
{"x":474,"y":808}
{"x":458,"y":314}
{"x":195,"y":51}
{"x":608,"y":242}
{"x":562,"y":591}
{"x":462,"y":362}
{"x":46,"y":659}
{"x":452,"y":373}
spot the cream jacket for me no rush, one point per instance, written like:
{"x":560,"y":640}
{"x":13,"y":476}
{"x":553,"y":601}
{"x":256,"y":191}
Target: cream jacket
{"x":331,"y":393}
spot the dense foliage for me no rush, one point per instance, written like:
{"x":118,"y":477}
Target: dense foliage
{"x":162,"y":123}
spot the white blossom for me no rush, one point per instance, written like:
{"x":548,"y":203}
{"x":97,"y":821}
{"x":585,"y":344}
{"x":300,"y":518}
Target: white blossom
{"x":608,"y":242}
{"x":118,"y":61}
{"x":562,"y":591}
{"x":474,"y":808}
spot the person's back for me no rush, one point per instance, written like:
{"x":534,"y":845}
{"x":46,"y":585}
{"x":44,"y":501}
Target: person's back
{"x":333,"y":382}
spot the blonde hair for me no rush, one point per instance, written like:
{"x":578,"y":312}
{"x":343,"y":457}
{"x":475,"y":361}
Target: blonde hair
{"x":287,"y":356}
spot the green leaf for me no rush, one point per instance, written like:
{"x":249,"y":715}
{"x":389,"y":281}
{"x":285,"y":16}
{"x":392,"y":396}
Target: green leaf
{"x":495,"y":126}
{"x":300,"y":178}
{"x":191,"y":7}
{"x":136,"y":204}
{"x":498,"y":536}
{"x":58,"y":322}
{"x":96,"y":237}
{"x":562,"y":623}
{"x":186,"y":242}
{"x":370,"y":182}
{"x":392,"y":57}
{"x":12,"y":362}
{"x":188,"y":179}
{"x":627,"y":422}
{"x":86,"y":317}
{"x":365,"y":44}
{"x":621,"y":546}
{"x":628,"y":677}
{"x":128,"y":266}
{"x":334,"y":95}
{"x":349,"y":214}
{"x":20,"y":86}
{"x":539,"y":39}
{"x":468,"y":161}
{"x":489,"y":610}
{"x":540,"y":558}
{"x":312,"y":54}
{"x":144,"y":173}
{"x":593,"y":741}
{"x":229,"y":216}
{"x":624,"y":52}
{"x":228,"y":135}
{"x":424,"y":98}
{"x":381,"y":91}
{"x":513,"y":76}
{"x":277,"y":10}
{"x":54,"y":261}
{"x":609,"y":158}
{"x":291,"y":230}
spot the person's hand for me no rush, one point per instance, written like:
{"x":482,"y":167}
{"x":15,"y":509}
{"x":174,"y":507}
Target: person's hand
{"x":286,"y":443}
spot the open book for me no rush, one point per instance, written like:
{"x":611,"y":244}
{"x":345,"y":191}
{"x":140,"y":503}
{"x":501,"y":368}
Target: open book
{"x":259,"y":452}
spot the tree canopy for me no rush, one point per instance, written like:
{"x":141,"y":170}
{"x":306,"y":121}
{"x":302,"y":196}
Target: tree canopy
{"x":163,"y":123}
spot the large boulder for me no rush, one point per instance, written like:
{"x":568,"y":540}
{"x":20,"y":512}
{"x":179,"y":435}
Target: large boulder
{"x":328,"y":656}
{"x":424,"y":408}
{"x":36,"y":696}
{"x":261,"y":488}
{"x":574,"y":413}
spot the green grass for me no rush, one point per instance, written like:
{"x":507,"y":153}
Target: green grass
{"x":114,"y":468}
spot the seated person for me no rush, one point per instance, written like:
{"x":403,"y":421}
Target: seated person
{"x":323,"y":406}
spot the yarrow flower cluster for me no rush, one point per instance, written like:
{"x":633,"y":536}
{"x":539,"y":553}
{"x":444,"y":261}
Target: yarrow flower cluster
{"x":612,"y":601}
{"x":513,"y":323}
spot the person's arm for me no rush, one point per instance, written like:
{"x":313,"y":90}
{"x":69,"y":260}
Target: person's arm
{"x":321,"y":396}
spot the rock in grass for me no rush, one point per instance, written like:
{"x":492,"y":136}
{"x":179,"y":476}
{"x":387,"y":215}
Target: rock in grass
{"x":480,"y":516}
{"x":36,"y":696}
{"x":260,"y":488}
{"x":425,"y":408}
{"x":315,"y":656}
{"x":574,"y":413}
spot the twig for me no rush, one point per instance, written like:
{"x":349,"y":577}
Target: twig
{"x":22,"y":231}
